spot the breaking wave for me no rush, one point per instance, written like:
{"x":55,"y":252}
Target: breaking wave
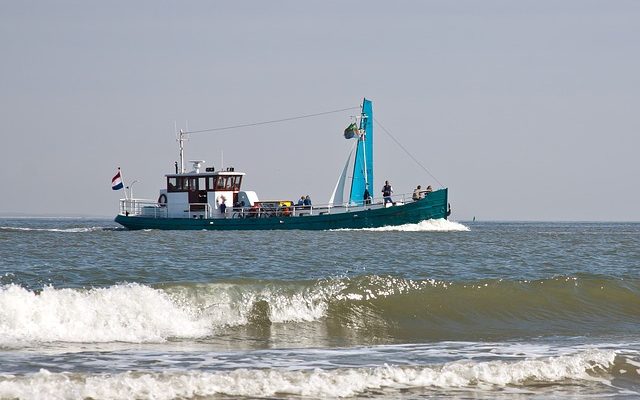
{"x":370,"y":307}
{"x":592,"y":368}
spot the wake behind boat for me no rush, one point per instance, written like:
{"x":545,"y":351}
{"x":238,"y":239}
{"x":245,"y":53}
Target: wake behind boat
{"x":215,"y":199}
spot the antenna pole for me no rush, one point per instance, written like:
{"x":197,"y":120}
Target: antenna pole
{"x":181,"y":143}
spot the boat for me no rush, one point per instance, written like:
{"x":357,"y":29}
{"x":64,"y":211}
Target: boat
{"x":210,"y":199}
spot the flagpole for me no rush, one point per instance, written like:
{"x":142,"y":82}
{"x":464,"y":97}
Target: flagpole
{"x":123,"y":185}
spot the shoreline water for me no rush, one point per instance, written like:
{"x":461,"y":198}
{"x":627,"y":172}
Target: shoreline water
{"x":500,"y":310}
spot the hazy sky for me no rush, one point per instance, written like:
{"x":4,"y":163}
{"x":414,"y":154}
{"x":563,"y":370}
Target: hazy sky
{"x":526,"y":110}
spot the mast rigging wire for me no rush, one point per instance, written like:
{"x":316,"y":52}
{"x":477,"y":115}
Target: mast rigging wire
{"x":407,"y":151}
{"x":273,"y":121}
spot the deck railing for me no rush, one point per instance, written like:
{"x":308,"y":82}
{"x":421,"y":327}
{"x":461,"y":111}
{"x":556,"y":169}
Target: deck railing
{"x":142,"y":207}
{"x":153,"y":209}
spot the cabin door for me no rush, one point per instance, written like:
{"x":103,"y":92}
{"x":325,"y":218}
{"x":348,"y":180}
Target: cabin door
{"x":198,"y":196}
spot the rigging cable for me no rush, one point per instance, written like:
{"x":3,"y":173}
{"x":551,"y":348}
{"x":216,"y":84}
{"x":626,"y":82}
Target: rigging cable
{"x":317,"y":115}
{"x":407,"y":151}
{"x":273,"y":121}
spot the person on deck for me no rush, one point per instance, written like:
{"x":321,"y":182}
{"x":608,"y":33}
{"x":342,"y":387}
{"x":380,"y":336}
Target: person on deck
{"x":387,"y":191}
{"x":367,"y":196}
{"x":417,"y":194}
{"x":307,"y":201}
{"x":223,"y":206}
{"x":429,"y":189}
{"x":301,"y":201}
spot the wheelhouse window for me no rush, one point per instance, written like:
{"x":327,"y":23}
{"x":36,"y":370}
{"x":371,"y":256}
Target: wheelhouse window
{"x":231,"y":183}
{"x":190,"y":183}
{"x":221,"y":182}
{"x":172,"y":184}
{"x":211,"y":183}
{"x":228,"y":183}
{"x":185,"y":183}
{"x":235,"y":182}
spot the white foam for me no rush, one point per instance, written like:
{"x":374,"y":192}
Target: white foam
{"x":230,"y":304}
{"x":132,"y":313}
{"x":67,"y":230}
{"x":344,"y":382}
{"x":138,"y":313}
{"x":430,"y":225}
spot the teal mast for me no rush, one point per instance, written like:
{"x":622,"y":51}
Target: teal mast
{"x":363,"y":164}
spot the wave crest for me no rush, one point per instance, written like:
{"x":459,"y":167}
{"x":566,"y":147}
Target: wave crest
{"x":569,"y":370}
{"x":430,"y":225}
{"x":132,"y":312}
{"x":362,"y":309}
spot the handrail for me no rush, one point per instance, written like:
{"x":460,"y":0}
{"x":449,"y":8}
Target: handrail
{"x":151,"y":208}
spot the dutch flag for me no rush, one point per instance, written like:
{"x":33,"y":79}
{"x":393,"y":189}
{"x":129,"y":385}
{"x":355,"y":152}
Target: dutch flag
{"x":116,"y":181}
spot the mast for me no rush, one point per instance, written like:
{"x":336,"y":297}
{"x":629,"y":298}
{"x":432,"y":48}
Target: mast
{"x":364,"y":149}
{"x":363,"y":165}
{"x":366,"y":124}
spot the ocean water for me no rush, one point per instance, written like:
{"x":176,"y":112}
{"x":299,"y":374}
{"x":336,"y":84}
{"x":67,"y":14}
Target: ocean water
{"x":437,"y":309}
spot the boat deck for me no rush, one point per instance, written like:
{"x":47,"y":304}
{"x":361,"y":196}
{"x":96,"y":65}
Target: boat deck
{"x":151,"y":208}
{"x":145,"y":214}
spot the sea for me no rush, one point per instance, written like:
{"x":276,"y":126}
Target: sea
{"x":439,"y":309}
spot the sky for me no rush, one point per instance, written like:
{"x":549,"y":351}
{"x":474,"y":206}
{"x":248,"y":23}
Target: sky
{"x":525,"y":110}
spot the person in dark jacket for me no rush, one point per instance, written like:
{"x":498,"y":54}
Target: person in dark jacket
{"x":387,"y":191}
{"x":367,"y":196}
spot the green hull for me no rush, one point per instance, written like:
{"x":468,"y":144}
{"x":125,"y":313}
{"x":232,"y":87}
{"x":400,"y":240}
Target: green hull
{"x":434,"y":206}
